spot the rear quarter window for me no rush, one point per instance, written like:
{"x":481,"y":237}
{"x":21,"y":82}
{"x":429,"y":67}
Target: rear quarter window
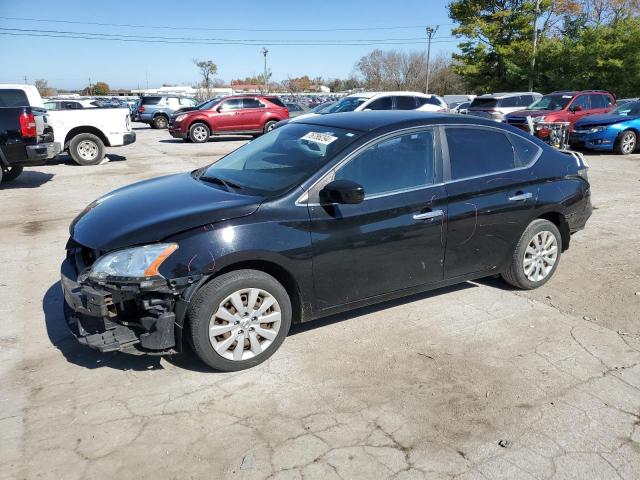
{"x":151,"y":100}
{"x":526,"y":152}
{"x":13,"y":98}
{"x":484,"y":103}
{"x":276,"y":101}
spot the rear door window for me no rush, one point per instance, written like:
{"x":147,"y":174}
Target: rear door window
{"x":484,"y":103}
{"x":598,"y":101}
{"x":405,"y":103}
{"x":476,"y":151}
{"x":384,"y":103}
{"x":251,"y":103}
{"x":13,"y":98}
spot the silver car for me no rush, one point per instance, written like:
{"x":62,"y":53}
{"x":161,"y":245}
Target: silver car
{"x":495,"y":106}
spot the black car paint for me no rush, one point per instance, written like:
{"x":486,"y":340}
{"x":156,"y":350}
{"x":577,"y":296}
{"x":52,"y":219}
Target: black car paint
{"x":323,"y":254}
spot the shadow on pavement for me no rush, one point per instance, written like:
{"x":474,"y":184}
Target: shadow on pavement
{"x":211,"y":140}
{"x":341,"y":317}
{"x":28,"y":179}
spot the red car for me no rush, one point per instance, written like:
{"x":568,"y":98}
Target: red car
{"x":568,"y":106}
{"x":241,"y":114}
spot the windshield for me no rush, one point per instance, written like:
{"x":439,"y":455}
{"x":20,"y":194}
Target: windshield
{"x":347,"y":104}
{"x":275,"y":162}
{"x":628,"y":109}
{"x":208,"y":104}
{"x":551,"y":102}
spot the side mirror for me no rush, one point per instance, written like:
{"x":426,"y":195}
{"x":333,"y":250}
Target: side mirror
{"x":342,"y":191}
{"x":576,"y":108}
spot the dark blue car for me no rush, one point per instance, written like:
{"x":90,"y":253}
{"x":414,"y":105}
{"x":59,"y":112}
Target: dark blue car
{"x":617,"y":131}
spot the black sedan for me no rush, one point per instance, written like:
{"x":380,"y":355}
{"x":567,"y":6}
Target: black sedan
{"x":318,"y":217}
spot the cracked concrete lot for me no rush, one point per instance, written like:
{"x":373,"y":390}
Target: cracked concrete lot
{"x":470,"y":382}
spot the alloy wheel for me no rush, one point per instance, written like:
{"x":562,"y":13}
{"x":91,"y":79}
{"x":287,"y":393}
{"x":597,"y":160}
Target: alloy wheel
{"x":628,"y":142}
{"x":245,"y":324}
{"x":200,"y":133}
{"x":540,"y":256}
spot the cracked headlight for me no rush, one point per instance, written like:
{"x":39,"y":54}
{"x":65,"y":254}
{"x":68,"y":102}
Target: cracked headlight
{"x":179,"y":118}
{"x":597,"y":129}
{"x":137,"y":262}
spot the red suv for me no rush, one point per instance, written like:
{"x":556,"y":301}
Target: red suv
{"x":568,"y":106}
{"x":245,"y":114}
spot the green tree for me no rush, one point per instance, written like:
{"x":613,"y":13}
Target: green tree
{"x":496,"y":47}
{"x":101,"y":88}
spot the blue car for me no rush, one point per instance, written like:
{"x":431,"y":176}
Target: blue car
{"x":617,"y":131}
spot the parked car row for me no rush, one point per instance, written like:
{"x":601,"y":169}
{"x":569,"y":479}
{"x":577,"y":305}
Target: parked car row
{"x":30,"y":134}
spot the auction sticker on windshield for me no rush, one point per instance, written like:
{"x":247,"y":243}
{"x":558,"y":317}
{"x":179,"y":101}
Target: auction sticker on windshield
{"x":323,"y":138}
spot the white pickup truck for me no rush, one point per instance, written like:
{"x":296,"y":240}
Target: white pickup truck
{"x":84,"y":132}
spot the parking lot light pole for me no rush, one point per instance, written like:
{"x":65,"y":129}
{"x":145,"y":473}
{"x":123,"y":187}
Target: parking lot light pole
{"x":430,"y":33}
{"x":264,"y":52}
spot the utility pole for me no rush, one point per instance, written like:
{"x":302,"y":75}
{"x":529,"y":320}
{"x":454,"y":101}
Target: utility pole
{"x":90,"y":88}
{"x":264,"y":52}
{"x":430,"y":33}
{"x":26,"y":80}
{"x":532,"y":66}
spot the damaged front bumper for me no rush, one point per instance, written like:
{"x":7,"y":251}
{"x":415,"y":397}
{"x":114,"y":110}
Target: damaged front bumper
{"x":120,"y":316}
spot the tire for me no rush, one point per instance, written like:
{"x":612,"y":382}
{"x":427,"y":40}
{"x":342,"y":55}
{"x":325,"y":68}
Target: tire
{"x":199,"y":133}
{"x":160,"y":122}
{"x":86,"y":149}
{"x":214,"y":299}
{"x":626,"y":143}
{"x":527,"y":251}
{"x":11,"y":173}
{"x":269,"y":126}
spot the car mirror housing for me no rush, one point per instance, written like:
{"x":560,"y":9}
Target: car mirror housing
{"x":576,"y":108}
{"x":342,"y":191}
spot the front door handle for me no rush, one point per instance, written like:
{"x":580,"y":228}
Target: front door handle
{"x":428,"y":215}
{"x":521,"y":196}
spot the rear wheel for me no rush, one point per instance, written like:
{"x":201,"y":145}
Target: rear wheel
{"x":536,"y":256}
{"x":86,"y":149}
{"x":626,"y":143}
{"x":199,"y":133}
{"x":160,"y":122}
{"x":11,"y":173}
{"x":239,"y":319}
{"x":270,"y":125}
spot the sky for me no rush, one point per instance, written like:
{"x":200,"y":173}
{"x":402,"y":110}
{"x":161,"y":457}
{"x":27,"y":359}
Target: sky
{"x":70,"y":62}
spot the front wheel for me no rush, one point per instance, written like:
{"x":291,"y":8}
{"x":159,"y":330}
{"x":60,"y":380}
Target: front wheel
{"x":86,"y":149}
{"x":536,"y":256}
{"x":626,"y":143}
{"x":239,"y":319}
{"x":199,"y":133}
{"x":11,"y":173}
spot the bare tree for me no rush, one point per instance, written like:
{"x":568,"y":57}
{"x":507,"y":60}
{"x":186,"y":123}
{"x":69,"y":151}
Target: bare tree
{"x":208,"y":70}
{"x":43,"y":87}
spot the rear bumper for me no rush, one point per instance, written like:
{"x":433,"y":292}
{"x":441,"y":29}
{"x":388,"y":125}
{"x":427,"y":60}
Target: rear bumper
{"x":110,"y":320}
{"x":42,"y":152}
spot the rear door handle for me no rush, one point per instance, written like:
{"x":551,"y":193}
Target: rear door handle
{"x":521,"y":196}
{"x":428,"y":215}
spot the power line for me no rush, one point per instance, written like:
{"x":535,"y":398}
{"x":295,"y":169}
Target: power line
{"x":182,"y":42}
{"x":167,"y":27}
{"x":258,"y":40}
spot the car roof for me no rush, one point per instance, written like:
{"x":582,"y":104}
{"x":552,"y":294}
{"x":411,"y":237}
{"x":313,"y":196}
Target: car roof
{"x":398,"y":92}
{"x":506,"y":94}
{"x":377,"y":119}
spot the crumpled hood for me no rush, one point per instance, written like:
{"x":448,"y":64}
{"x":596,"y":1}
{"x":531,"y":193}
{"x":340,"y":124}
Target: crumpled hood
{"x":603,"y":119}
{"x":155,"y":209}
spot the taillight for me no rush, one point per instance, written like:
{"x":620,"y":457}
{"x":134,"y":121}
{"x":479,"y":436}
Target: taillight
{"x":141,"y":109}
{"x":28,"y":125}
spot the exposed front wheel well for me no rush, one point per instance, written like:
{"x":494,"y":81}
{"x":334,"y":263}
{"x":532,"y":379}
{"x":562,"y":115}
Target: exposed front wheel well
{"x":85,"y":129}
{"x":559,"y":221}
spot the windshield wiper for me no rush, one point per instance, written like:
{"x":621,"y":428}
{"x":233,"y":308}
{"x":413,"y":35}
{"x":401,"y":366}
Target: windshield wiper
{"x":225,"y":183}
